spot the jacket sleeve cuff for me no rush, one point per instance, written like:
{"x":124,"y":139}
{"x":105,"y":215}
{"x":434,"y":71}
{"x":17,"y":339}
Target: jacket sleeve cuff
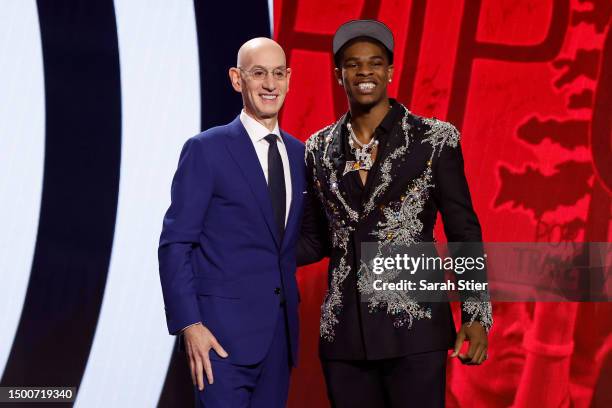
{"x":474,"y":309}
{"x":182,"y":313}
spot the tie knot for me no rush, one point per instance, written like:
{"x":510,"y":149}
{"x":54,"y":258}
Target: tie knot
{"x":271,"y":138}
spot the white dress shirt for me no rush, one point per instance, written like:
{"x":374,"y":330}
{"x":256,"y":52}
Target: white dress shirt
{"x":257,"y":132}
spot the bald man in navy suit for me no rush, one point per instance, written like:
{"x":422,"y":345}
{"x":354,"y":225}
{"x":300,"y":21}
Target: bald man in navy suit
{"x":227,"y":248}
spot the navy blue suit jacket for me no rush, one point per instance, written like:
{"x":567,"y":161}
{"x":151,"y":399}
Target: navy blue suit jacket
{"x":220,"y":256}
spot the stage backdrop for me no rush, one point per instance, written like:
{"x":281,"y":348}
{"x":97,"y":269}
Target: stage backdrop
{"x":98,"y":96}
{"x":529,"y":85}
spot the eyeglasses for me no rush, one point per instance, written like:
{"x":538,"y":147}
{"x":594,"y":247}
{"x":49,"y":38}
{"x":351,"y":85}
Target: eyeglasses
{"x":259,"y":74}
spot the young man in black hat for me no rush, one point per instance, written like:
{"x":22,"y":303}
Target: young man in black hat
{"x":381,"y":173}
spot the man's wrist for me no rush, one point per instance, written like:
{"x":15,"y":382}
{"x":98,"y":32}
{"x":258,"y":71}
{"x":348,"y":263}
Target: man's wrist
{"x":186,"y":327}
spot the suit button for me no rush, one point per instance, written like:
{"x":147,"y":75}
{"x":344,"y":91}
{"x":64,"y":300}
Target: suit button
{"x":277,"y":291}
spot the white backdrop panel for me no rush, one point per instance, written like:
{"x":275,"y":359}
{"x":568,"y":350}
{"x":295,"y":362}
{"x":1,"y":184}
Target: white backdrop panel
{"x":22,"y":150}
{"x":161,"y":108}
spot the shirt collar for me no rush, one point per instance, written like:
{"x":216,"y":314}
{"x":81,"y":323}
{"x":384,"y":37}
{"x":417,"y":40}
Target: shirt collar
{"x":256,"y":130}
{"x":392,"y":117}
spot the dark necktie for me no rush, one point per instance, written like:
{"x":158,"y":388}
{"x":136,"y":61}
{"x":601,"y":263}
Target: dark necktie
{"x":276,"y":183}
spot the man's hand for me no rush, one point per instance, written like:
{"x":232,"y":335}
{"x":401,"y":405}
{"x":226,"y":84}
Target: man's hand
{"x":477,"y":336}
{"x":198,"y":342}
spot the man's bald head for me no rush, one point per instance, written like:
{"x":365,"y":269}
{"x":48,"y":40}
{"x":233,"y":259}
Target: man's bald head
{"x":256,"y":46}
{"x":262,"y":77}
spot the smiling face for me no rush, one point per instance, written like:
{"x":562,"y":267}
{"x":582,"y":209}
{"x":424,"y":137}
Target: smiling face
{"x":364,"y":72}
{"x":262,"y":78}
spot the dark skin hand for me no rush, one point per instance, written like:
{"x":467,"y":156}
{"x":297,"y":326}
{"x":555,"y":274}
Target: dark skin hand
{"x":476,"y":335}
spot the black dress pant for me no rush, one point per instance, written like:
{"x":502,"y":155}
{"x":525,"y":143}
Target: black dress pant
{"x":415,"y":380}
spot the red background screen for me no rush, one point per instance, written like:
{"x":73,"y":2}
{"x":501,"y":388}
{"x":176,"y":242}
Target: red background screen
{"x":529,"y":85}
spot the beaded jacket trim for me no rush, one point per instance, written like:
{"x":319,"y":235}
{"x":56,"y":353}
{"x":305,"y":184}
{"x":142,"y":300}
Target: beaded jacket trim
{"x":400,"y":226}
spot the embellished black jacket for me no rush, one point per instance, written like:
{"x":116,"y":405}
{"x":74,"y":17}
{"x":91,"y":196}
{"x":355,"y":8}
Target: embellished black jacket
{"x":418,"y":171}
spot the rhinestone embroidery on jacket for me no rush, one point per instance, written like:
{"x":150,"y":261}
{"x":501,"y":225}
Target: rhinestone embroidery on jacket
{"x":402,"y":308}
{"x":385,"y":168}
{"x":333,"y":179}
{"x":479,"y":309}
{"x":440,"y":134}
{"x":340,"y":233}
{"x":400,"y":226}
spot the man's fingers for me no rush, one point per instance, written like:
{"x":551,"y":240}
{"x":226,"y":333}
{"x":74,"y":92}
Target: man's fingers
{"x":218,"y":349}
{"x":458,"y":343}
{"x":478,"y":345}
{"x":208,"y":368}
{"x":463,"y":358}
{"x":199,"y":373}
{"x":467,"y":357}
{"x":483,"y":355}
{"x":477,"y":355}
{"x":192,"y":365}
{"x":192,"y":369}
{"x":480,"y":355}
{"x":474,"y":346}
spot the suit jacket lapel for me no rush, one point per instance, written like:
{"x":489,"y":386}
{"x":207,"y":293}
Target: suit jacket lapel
{"x":395,"y":147}
{"x":242,"y":150}
{"x":333,"y":162}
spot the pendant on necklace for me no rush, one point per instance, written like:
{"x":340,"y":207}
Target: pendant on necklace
{"x":363,"y":153}
{"x":363,"y":162}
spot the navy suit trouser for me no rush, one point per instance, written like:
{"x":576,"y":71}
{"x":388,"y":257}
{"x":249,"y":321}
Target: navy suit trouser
{"x":261,"y":385}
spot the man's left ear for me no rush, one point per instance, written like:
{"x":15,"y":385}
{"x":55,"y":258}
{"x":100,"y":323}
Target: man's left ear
{"x":288,"y":77}
{"x":390,"y":72}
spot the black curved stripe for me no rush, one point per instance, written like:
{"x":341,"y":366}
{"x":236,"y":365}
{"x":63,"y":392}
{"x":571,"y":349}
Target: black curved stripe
{"x":79,"y":196}
{"x":218,"y":43}
{"x":222,"y":29}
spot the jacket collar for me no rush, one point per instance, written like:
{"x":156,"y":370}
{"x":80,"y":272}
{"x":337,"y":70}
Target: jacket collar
{"x":398,"y":123}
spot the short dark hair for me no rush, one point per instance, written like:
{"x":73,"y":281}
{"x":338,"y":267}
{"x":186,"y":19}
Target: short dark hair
{"x":338,"y":57}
